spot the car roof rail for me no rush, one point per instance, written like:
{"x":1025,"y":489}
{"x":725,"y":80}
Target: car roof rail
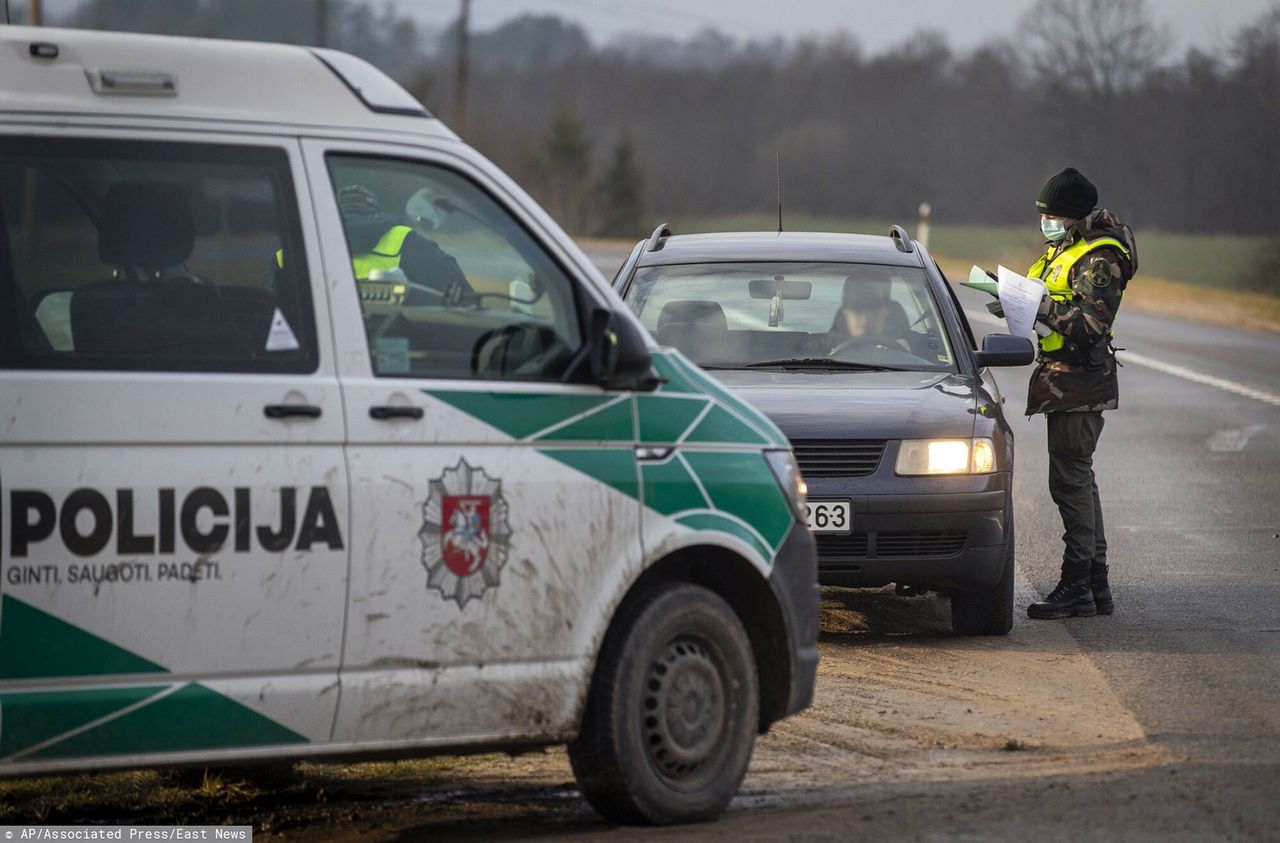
{"x":902,"y":240}
{"x":656,"y":239}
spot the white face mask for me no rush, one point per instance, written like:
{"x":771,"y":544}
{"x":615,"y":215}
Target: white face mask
{"x":1053,"y":229}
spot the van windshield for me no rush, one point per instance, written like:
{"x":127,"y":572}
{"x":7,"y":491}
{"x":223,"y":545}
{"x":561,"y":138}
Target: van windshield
{"x":817,"y":316}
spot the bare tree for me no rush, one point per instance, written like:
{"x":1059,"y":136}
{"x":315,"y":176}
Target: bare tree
{"x":1096,"y":47}
{"x":1257,"y":52}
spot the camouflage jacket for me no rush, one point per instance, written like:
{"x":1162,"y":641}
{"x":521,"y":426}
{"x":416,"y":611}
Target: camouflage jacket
{"x":1081,"y":376}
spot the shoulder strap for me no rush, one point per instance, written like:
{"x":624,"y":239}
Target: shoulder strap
{"x":1128,"y":260}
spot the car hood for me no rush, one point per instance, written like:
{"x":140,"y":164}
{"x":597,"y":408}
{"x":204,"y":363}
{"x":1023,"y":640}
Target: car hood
{"x":859,"y":405}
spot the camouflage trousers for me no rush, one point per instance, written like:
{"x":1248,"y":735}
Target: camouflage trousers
{"x":1073,"y":487}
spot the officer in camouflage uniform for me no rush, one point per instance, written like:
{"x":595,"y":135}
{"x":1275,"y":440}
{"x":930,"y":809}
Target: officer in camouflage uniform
{"x":1090,"y":257}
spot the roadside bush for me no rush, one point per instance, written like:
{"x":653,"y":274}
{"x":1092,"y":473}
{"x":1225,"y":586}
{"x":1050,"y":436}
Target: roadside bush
{"x":1265,"y":277}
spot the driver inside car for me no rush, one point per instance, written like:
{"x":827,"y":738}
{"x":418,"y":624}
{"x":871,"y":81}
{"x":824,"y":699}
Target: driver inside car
{"x":867,"y":318}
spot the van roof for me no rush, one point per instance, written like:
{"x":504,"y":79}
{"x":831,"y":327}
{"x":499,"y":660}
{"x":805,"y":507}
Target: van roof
{"x":50,"y":71}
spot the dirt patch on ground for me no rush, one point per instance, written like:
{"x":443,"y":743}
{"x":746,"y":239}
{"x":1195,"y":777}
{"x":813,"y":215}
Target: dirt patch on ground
{"x":902,"y":698}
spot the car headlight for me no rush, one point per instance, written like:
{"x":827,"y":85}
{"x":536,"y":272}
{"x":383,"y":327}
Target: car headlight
{"x":787,"y":473}
{"x":946,"y":456}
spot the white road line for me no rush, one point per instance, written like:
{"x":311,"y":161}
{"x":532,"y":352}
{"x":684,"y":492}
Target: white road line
{"x":1200,"y":377}
{"x":1127,"y":357}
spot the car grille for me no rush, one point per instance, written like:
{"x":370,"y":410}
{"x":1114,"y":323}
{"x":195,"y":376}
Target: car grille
{"x":890,"y":545}
{"x":919,"y":544}
{"x":838,"y":548}
{"x":837,"y":457}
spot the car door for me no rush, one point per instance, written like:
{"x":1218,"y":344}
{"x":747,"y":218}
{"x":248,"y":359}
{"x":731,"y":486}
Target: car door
{"x":493,"y":502}
{"x":174,"y":532}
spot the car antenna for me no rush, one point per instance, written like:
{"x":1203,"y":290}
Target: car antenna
{"x":779,"y":154}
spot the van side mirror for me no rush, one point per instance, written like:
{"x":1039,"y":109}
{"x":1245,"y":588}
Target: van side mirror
{"x":1005,"y":350}
{"x":619,"y":355}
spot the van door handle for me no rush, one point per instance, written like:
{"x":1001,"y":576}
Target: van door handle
{"x":395,"y":411}
{"x":285,"y":411}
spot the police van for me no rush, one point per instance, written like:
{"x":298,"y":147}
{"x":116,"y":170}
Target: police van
{"x":319,"y":439}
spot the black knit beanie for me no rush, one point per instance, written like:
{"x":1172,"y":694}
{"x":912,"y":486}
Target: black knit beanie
{"x":1067,"y":194}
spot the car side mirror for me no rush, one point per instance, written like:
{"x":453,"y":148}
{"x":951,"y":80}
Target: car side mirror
{"x":619,"y":355}
{"x":1005,"y":350}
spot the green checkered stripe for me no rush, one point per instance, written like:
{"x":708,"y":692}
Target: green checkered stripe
{"x":153,"y":714}
{"x":715,"y":478}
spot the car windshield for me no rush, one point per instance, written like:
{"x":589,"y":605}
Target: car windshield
{"x":805,"y":316}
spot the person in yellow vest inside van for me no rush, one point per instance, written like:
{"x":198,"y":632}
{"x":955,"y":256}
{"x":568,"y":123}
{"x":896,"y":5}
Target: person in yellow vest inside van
{"x":1090,"y":256}
{"x":393,"y":262}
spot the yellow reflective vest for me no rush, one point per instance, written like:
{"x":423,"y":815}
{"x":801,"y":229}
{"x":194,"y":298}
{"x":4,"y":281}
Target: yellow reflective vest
{"x":1055,"y":272}
{"x":384,"y":255}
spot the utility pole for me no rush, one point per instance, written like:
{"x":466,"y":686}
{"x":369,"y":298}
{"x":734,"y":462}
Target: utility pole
{"x":322,"y":21}
{"x":460,"y":90}
{"x":34,"y":16}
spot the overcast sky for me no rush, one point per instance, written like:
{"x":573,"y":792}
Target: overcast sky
{"x":876,"y":23}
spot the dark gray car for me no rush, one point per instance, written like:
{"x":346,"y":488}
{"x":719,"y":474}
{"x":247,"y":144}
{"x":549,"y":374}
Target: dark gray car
{"x":857,"y":349}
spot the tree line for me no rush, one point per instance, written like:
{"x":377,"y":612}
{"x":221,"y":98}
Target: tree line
{"x":1190,"y":145}
{"x":611,"y":137}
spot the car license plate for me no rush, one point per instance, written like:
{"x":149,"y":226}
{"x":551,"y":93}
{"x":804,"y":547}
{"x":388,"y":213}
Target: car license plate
{"x":829,"y":516}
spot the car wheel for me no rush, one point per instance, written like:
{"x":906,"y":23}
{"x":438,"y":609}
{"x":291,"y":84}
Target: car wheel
{"x":988,"y":612}
{"x":672,"y":712}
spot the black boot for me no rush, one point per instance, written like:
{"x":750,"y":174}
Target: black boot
{"x":1101,"y":590}
{"x":1070,"y":598}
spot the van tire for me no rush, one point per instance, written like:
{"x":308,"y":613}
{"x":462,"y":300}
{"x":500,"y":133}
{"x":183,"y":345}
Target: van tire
{"x":988,"y":612}
{"x":672,"y":712}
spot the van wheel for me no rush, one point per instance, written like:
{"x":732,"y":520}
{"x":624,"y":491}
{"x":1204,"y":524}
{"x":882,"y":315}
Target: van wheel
{"x":987,"y":612}
{"x":672,"y":713}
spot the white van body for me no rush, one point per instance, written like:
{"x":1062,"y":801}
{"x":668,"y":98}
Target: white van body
{"x":339,"y":524}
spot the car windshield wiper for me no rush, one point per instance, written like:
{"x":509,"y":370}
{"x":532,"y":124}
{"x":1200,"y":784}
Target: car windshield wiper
{"x":819,"y":363}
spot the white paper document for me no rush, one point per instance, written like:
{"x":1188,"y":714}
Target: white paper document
{"x":1020,"y":297}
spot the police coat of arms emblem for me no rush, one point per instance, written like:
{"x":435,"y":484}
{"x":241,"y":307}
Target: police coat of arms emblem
{"x":464,"y":533}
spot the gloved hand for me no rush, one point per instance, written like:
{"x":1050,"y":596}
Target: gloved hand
{"x":995,"y":309}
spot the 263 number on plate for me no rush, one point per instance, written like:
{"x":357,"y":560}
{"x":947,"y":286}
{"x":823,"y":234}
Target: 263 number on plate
{"x":829,"y":516}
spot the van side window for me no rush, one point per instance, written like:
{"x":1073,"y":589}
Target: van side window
{"x":146,"y":256}
{"x":450,"y":284}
